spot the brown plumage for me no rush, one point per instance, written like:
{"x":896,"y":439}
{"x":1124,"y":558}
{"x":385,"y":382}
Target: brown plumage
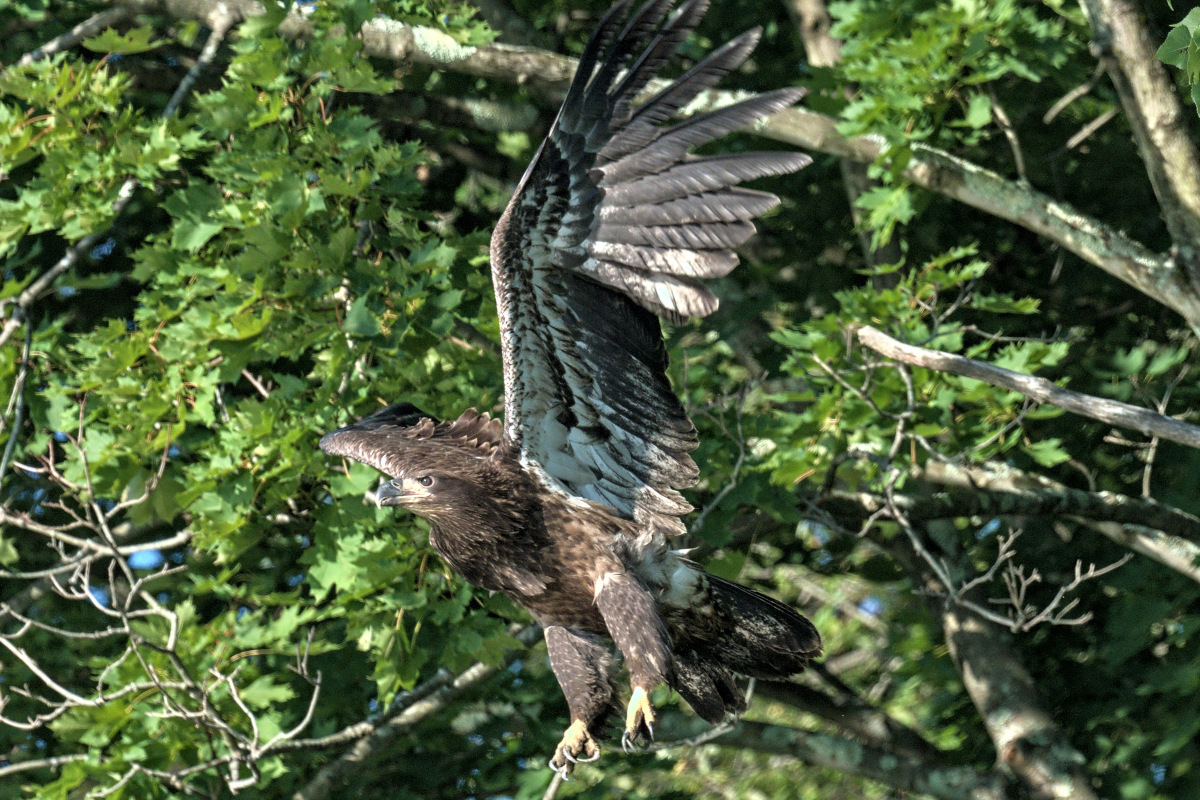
{"x":569,"y":509}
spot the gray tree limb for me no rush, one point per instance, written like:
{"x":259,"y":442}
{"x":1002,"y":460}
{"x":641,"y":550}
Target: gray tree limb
{"x":1028,"y":742}
{"x":1044,"y":501}
{"x":1122,"y":415}
{"x":1157,"y":117}
{"x":89,"y":27}
{"x":1140,"y":526}
{"x":1026,"y":737}
{"x":812,"y":21}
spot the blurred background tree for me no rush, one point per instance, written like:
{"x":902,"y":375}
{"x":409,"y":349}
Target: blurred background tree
{"x":229,"y":227}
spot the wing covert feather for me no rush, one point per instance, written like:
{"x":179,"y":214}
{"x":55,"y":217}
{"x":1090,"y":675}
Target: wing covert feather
{"x":612,"y":226}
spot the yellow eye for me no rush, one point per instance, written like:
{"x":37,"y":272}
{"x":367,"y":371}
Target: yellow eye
{"x":425,"y":481}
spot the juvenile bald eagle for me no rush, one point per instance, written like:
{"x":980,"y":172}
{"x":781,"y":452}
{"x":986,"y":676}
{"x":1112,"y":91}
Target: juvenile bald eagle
{"x":570,"y":508}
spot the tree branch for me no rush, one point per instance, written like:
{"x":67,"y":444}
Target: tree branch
{"x":916,"y":775}
{"x":89,"y":27}
{"x":1110,"y":411}
{"x":812,"y":21}
{"x":1134,"y":529}
{"x":1027,"y":740}
{"x":1025,"y":736}
{"x":854,"y":716}
{"x":988,"y":501}
{"x":1157,"y":117}
{"x":375,"y":736}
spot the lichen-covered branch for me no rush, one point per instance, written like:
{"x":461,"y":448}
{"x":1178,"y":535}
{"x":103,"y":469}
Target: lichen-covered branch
{"x":1157,"y":117}
{"x":1112,"y":412}
{"x":1053,"y":501}
{"x":1140,"y":525}
{"x":1029,"y":744}
{"x":1027,"y":739}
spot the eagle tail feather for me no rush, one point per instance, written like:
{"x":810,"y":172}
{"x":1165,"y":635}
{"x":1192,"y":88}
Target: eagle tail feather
{"x":768,"y":639}
{"x":755,"y":636}
{"x":707,"y":687}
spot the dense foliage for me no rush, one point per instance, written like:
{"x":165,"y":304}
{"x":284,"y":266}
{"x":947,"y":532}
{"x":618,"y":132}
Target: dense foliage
{"x":194,"y":595}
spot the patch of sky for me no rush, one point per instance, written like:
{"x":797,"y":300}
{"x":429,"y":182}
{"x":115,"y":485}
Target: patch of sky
{"x":871,"y":605}
{"x":103,"y":250}
{"x":146,"y":559}
{"x":988,"y":529}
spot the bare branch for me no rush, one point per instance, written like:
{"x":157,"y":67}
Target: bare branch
{"x":40,"y":763}
{"x":373,"y":736}
{"x":1040,"y":389}
{"x":1010,"y":133}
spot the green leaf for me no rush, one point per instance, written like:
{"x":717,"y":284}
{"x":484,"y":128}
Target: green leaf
{"x":135,"y":40}
{"x":1048,"y":452}
{"x":979,"y":111}
{"x":266,"y":692}
{"x":360,"y":320}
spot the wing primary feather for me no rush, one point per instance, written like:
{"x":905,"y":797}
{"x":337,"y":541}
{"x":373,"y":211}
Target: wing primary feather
{"x":657,"y":53}
{"x":731,"y":205}
{"x":613,"y":227}
{"x":700,"y":176}
{"x":673,"y":144}
{"x":600,"y":40}
{"x":642,"y":127}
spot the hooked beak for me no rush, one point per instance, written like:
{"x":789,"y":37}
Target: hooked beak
{"x":390,"y":493}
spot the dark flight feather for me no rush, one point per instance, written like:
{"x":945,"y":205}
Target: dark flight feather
{"x":613,"y":197}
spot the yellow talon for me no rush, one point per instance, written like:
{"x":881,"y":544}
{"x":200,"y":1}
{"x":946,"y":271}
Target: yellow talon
{"x":639,"y":718}
{"x":576,"y":745}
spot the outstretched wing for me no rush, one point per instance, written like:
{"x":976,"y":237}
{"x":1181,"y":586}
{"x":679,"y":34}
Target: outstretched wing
{"x":402,"y":438}
{"x":612,"y":226}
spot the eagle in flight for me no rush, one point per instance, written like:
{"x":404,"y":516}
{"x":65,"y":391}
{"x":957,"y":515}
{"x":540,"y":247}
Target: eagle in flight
{"x":571,"y":507}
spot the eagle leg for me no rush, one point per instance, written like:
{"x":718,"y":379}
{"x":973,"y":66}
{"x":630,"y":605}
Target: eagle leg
{"x":580,"y":663}
{"x":637,"y":629}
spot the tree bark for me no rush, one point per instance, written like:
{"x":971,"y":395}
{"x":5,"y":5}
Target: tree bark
{"x":1157,"y":117}
{"x":1027,"y":740}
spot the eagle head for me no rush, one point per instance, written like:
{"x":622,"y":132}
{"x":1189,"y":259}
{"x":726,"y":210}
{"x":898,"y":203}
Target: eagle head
{"x":425,"y":494}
